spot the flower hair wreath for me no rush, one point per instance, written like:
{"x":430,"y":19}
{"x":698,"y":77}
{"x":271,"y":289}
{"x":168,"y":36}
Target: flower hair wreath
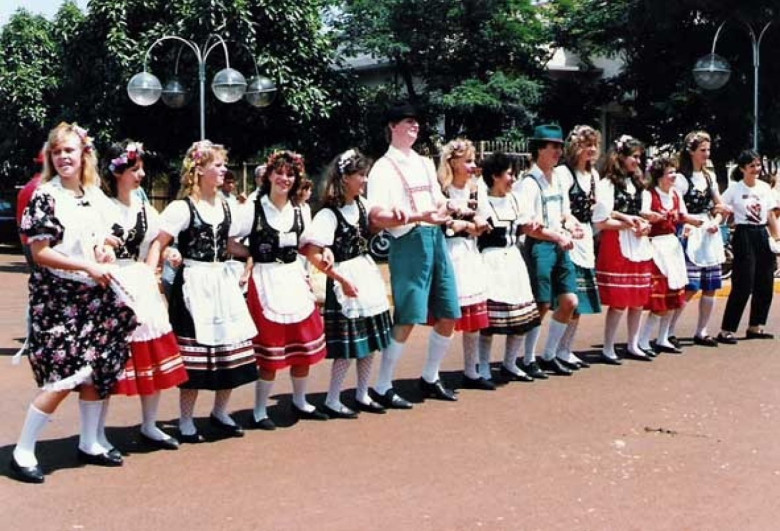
{"x":345,"y":160}
{"x":621,"y":142}
{"x":197,"y":154}
{"x":83,"y":135}
{"x":133,"y":152}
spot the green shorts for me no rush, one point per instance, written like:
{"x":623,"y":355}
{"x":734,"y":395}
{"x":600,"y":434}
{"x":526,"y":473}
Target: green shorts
{"x":551,"y":270}
{"x":422,"y":277}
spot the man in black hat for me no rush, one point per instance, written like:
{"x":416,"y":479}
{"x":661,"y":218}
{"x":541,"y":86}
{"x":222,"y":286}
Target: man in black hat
{"x":422,"y":277}
{"x":547,"y":246}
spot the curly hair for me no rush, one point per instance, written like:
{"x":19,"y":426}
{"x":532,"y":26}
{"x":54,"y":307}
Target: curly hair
{"x":454,"y":149}
{"x":657,"y":167}
{"x":579,"y":138}
{"x":199,"y":155}
{"x":119,"y":157}
{"x":283,"y":161}
{"x":89,"y":163}
{"x":344,"y":165}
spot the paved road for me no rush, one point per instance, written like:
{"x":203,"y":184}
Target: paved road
{"x":684,"y":442}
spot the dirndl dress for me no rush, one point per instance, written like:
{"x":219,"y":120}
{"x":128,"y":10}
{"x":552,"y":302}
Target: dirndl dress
{"x":280,"y":299}
{"x":583,"y":253}
{"x":704,"y":250}
{"x":510,"y":301}
{"x":668,"y":274}
{"x":78,"y":330}
{"x":207,"y":310}
{"x":355,"y":327}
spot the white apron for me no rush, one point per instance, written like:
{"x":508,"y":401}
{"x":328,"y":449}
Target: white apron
{"x":704,"y":249}
{"x":635,"y":248}
{"x":363,"y":273}
{"x":139,"y":281}
{"x":669,"y":258}
{"x":215,"y":302}
{"x":509,"y":282}
{"x":469,"y":270}
{"x":283,"y":291}
{"x":583,"y":253}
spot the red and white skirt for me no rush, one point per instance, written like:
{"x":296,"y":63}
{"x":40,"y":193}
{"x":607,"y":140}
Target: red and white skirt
{"x":280,"y":345}
{"x":622,"y":283}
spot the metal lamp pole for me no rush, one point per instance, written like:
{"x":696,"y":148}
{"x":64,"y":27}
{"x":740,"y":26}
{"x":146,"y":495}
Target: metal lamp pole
{"x":711,"y":72}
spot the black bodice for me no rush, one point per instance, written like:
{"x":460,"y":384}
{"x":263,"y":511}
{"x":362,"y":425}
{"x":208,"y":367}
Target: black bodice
{"x":350,"y":241}
{"x":264,"y":240}
{"x":698,"y":201}
{"x":627,"y":203}
{"x":132,"y":238}
{"x":582,"y":203}
{"x":201,"y":241}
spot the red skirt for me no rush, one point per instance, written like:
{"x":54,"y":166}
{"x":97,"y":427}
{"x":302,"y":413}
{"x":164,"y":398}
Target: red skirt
{"x":279,"y":345}
{"x":473,"y":318}
{"x":622,"y":283}
{"x":661,"y":297}
{"x":153,"y":365}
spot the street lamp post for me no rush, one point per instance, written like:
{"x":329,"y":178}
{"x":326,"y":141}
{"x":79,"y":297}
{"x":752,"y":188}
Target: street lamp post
{"x":712,"y":71}
{"x":228,"y":85}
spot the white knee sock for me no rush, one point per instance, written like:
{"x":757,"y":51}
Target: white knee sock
{"x":438,"y":345}
{"x":24,"y":452}
{"x":90,"y":419}
{"x":221,"y":399}
{"x":149,"y":405}
{"x":611,"y":322}
{"x":299,"y":393}
{"x":554,"y":334}
{"x":706,"y":305}
{"x":262,"y":392}
{"x":338,"y":373}
{"x":470,"y":354}
{"x":565,"y":344}
{"x":485,"y":346}
{"x":650,"y":326}
{"x":389,"y":361}
{"x":363,"y":377}
{"x":633,"y":321}
{"x":511,"y":351}
{"x":675,"y":317}
{"x":187,"y":398}
{"x":531,"y":339}
{"x":663,"y":334}
{"x":101,"y":432}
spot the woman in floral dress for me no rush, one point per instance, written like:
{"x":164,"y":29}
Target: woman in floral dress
{"x":79,"y":322}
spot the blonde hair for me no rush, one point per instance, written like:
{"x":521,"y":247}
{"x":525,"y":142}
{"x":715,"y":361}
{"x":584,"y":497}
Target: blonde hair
{"x":454,"y":149}
{"x":578,"y":138}
{"x":89,"y":164}
{"x":199,"y":155}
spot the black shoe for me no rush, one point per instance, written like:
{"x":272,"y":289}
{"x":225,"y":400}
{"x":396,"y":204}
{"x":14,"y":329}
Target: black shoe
{"x":231,"y":430}
{"x":706,"y":341}
{"x":640,"y":356}
{"x":195,"y":438}
{"x":391,"y":400}
{"x":263,"y":424}
{"x":114,"y":452}
{"x":667,"y":350}
{"x":436,"y":390}
{"x":583,"y":364}
{"x":533,"y":370}
{"x":481,"y":384}
{"x":27,"y":474}
{"x":554,"y":366}
{"x":727,"y":338}
{"x":569,"y":365}
{"x":758,"y":334}
{"x":169,"y":443}
{"x":314,"y":414}
{"x":509,"y":376}
{"x":674,"y":341}
{"x":371,"y":407}
{"x":610,"y":361}
{"x":342,"y":413}
{"x":652,"y":352}
{"x":104,"y":459}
